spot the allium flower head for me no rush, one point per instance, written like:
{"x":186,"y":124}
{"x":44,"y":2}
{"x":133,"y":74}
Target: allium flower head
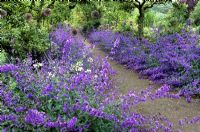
{"x":95,"y":14}
{"x":74,"y":32}
{"x":124,"y":23}
{"x":46,"y":12}
{"x":3,"y":13}
{"x":28,"y":16}
{"x":131,"y":23}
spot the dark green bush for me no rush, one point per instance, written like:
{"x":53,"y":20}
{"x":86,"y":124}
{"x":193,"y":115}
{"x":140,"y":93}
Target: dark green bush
{"x":20,"y":33}
{"x":176,"y":18}
{"x":85,"y":15}
{"x":195,"y":16}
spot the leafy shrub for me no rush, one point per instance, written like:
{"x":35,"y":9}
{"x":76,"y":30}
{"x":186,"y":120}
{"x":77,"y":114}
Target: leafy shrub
{"x":150,"y":19}
{"x":82,"y":16}
{"x":175,"y":19}
{"x":60,"y":13}
{"x":20,"y":34}
{"x":2,"y":57}
{"x":195,"y":15}
{"x":23,"y":40}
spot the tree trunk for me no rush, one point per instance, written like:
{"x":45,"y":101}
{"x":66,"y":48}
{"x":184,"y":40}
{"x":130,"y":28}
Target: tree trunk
{"x":141,"y":23}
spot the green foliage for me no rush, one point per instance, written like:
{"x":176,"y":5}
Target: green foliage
{"x":162,"y":8}
{"x":19,"y":36}
{"x":150,"y":18}
{"x":195,"y":16}
{"x":23,"y":40}
{"x":60,"y":12}
{"x":175,"y":19}
{"x":118,"y":16}
{"x":81,"y":16}
{"x":2,"y":57}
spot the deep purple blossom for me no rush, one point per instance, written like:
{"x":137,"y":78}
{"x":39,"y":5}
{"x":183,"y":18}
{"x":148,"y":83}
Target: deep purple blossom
{"x":72,"y":122}
{"x":34,"y":117}
{"x":20,"y":109}
{"x":50,"y":124}
{"x":8,"y":67}
{"x":10,"y":117}
{"x":47,"y":89}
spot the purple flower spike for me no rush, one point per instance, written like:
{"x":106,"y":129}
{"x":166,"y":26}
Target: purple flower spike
{"x":8,"y":67}
{"x":47,"y":89}
{"x":72,"y":123}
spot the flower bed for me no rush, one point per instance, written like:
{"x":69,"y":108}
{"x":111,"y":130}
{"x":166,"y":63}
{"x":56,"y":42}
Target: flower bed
{"x":172,"y":59}
{"x":71,"y":91}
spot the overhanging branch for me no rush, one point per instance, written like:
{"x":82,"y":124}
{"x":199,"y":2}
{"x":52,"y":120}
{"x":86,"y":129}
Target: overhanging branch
{"x":154,"y":3}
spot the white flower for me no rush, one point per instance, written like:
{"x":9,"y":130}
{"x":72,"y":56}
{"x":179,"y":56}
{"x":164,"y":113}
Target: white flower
{"x":90,"y":59}
{"x":50,"y":74}
{"x":79,"y":69}
{"x":36,"y":65}
{"x":88,"y":71}
{"x":95,"y":76}
{"x":40,"y":64}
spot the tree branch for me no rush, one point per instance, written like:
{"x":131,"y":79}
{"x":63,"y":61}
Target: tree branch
{"x":136,"y":5}
{"x":154,"y":3}
{"x":144,"y":1}
{"x":137,"y":2}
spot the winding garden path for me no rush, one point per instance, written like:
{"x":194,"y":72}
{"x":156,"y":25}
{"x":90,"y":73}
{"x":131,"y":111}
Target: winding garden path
{"x":173,"y":109}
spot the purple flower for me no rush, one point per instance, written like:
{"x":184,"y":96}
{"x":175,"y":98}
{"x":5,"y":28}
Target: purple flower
{"x":176,"y":55}
{"x":65,"y":107}
{"x":20,"y":109}
{"x":195,"y":120}
{"x":34,"y":117}
{"x":161,"y":92}
{"x":72,"y":123}
{"x":8,"y":67}
{"x":10,"y":117}
{"x":181,"y":122}
{"x":46,"y":90}
{"x":50,"y":124}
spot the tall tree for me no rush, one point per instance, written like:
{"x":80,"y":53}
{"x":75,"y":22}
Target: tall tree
{"x":142,"y":6}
